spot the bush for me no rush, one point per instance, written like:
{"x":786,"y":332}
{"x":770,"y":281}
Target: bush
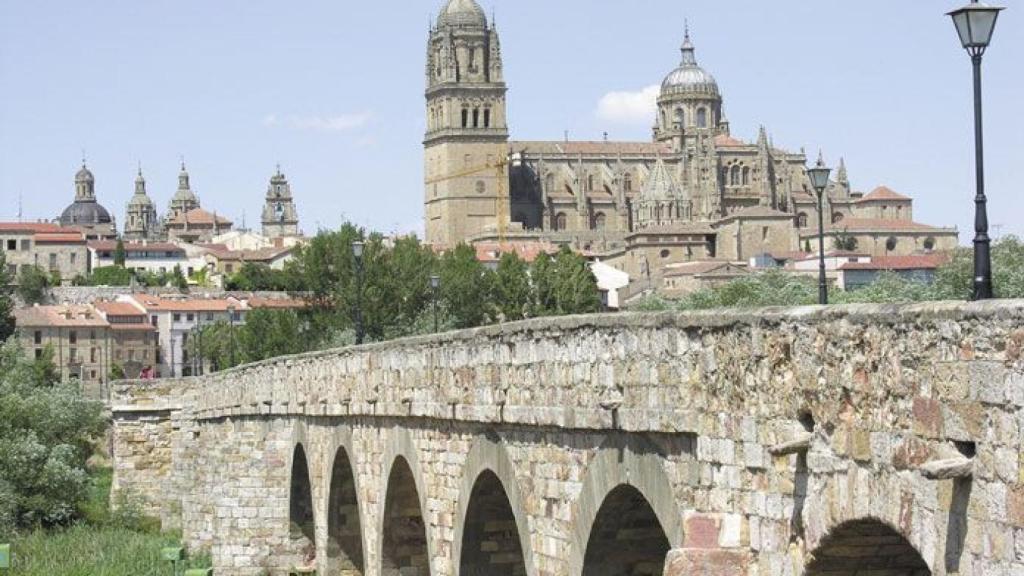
{"x":33,"y":285}
{"x":46,"y":434}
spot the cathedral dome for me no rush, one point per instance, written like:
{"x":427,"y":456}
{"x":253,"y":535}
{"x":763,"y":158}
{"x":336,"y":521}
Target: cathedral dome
{"x":462,"y":13}
{"x":85,"y":213}
{"x":84,"y":175}
{"x":689,"y":78}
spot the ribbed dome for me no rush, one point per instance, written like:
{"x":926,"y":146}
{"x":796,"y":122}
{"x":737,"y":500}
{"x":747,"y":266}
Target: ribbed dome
{"x":85,"y":213}
{"x":140,"y":200}
{"x":84,"y":175}
{"x":462,"y":13}
{"x":689,"y":77}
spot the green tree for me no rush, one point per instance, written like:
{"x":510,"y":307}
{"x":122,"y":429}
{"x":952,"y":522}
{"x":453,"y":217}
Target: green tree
{"x":955,"y":280}
{"x":268,"y":334}
{"x":889,"y":288}
{"x":845,"y":241}
{"x":465,"y":287}
{"x":120,"y":256}
{"x":543,"y":276}
{"x":46,"y":433}
{"x":33,"y":285}
{"x":771,"y":288}
{"x":177,"y":279}
{"x":110,"y":276}
{"x":574,"y":284}
{"x":44,"y":369}
{"x":6,"y":303}
{"x":513,"y":292}
{"x":254,"y":277}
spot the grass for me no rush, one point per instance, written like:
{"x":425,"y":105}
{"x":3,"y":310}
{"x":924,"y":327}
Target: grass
{"x":103,"y":543}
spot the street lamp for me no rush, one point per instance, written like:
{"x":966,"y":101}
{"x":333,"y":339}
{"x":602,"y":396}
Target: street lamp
{"x":435,"y":285}
{"x":819,"y":181}
{"x":357,"y":251}
{"x":975,"y":24}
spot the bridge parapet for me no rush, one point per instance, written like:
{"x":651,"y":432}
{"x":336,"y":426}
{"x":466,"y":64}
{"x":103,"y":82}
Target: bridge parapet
{"x":774,"y":430}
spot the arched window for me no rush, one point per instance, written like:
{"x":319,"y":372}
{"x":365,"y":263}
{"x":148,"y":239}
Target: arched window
{"x":465,"y":117}
{"x":476,"y":117}
{"x":891,"y":243}
{"x":702,"y":118}
{"x":801,"y":220}
{"x":590,"y":183}
{"x":837,"y":218}
{"x":627,"y":182}
{"x":487,"y":117}
{"x":599,"y":221}
{"x":746,"y":175}
{"x":561,"y":221}
{"x":680,"y":118}
{"x":549,"y":182}
{"x":734,"y":175}
{"x":929,"y":244}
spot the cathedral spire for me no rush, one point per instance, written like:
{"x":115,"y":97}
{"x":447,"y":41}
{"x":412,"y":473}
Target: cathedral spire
{"x":689,"y":57}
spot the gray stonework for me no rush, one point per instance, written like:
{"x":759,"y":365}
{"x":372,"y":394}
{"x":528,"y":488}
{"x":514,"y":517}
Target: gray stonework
{"x":636,"y":444}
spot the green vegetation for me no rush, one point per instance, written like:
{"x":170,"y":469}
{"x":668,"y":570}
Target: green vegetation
{"x":396,"y":298}
{"x":120,"y":256}
{"x":953,"y":281}
{"x":33,"y":284}
{"x":6,"y":303}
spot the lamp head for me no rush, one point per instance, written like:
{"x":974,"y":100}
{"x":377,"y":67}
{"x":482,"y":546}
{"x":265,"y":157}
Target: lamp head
{"x":975,"y":24}
{"x":819,"y":175}
{"x":357,"y":248}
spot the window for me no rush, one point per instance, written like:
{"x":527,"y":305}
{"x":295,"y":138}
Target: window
{"x":599,"y":221}
{"x":72,"y":258}
{"x":92,"y":355}
{"x":666,"y":253}
{"x":72,"y":354}
{"x":229,"y":268}
{"x":39,"y":353}
{"x":801,"y":220}
{"x":734,"y":176}
{"x":627,"y":182}
{"x":92,"y":374}
{"x":837,"y":218}
{"x":929,"y":245}
{"x":92,"y":334}
{"x":12,"y":269}
{"x":465,"y":117}
{"x":891,"y":243}
{"x":487,"y":117}
{"x":561,"y":221}
{"x":746,"y":175}
{"x":53,"y":261}
{"x":764,"y":233}
{"x":12,"y":244}
{"x":190,"y":317}
{"x":177,"y":317}
{"x":476,"y":117}
{"x":680,"y":117}
{"x":73,"y":337}
{"x":590,"y":183}
{"x":702,"y":118}
{"x":209,"y":316}
{"x":26,"y":245}
{"x":153,"y":320}
{"x":481,"y":187}
{"x":549,"y":182}
{"x":38,"y":337}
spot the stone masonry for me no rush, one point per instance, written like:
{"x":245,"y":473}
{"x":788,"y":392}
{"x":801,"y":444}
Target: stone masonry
{"x":882,"y":440}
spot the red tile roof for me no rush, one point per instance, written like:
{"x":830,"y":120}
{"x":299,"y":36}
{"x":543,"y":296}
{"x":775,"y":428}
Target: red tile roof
{"x":110,"y":245}
{"x":883,"y":193}
{"x":70,"y":316}
{"x":914,"y":262}
{"x":157,"y":304}
{"x":198,"y":216}
{"x":59,"y":238}
{"x":725,"y":141}
{"x":119,"y":309}
{"x":34,"y":227}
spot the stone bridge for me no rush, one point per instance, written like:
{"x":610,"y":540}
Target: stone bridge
{"x":863,"y":440}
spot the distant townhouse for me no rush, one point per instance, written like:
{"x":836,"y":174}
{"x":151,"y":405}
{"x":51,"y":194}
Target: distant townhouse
{"x":918,"y":268}
{"x":79,"y":337}
{"x":153,"y":257}
{"x":134,"y":341}
{"x":227,"y":262}
{"x":52,"y":247}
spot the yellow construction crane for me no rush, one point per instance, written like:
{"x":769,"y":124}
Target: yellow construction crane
{"x":503,"y":208}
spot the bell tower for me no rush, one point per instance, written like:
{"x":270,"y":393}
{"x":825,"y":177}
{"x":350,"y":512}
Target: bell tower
{"x":466,"y":142}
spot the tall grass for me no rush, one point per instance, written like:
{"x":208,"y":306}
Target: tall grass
{"x":104,"y":542}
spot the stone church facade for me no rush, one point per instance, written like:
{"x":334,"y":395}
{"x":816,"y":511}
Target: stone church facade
{"x":692,"y":192}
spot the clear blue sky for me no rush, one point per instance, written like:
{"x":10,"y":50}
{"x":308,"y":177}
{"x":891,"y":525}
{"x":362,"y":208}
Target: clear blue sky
{"x":333,"y":90}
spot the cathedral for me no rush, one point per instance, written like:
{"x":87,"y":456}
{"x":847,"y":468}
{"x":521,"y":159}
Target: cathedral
{"x":693,"y":192}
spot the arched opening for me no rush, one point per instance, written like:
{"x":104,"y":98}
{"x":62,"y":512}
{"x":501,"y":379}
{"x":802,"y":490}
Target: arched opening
{"x":680,"y":117}
{"x":866,"y":547}
{"x":891,"y":243}
{"x":746,"y":175}
{"x":549,"y":182}
{"x":490,"y":537}
{"x":599,"y":221}
{"x":627,"y":182}
{"x":702,"y":118}
{"x":734,"y":176}
{"x":837,"y":218}
{"x":626,"y":537}
{"x":404,"y":550}
{"x":929,"y":244}
{"x":801,"y":220}
{"x":301,"y":524}
{"x":344,"y":532}
{"x":561,"y":221}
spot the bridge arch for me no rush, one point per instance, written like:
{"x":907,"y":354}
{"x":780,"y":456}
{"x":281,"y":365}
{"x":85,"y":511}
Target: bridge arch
{"x":404,"y":546}
{"x":619,"y":474}
{"x":346,"y":539}
{"x":863,"y":546}
{"x":489,"y":482}
{"x":301,"y":512}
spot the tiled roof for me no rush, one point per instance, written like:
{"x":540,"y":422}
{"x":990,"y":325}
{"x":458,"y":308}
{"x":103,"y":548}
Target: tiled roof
{"x":873,"y":224}
{"x":33,"y":227}
{"x":70,"y":316}
{"x":527,"y":251}
{"x":157,"y":304}
{"x":268,"y":254}
{"x":59,"y":238}
{"x":914,"y":262}
{"x":602,"y":148}
{"x":198,"y":216}
{"x":119,"y":309}
{"x":883,"y":193}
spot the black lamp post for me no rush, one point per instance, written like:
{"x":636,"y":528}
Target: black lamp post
{"x":975,"y":24}
{"x":819,"y":181}
{"x":357,"y":251}
{"x":435,"y":285}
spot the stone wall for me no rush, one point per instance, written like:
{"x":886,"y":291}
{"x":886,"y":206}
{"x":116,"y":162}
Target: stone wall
{"x":763,"y":442}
